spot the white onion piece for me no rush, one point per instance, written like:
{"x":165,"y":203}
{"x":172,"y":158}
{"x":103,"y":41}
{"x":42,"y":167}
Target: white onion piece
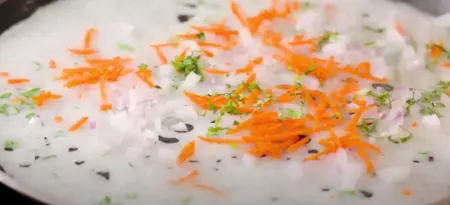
{"x":191,"y":81}
{"x":431,"y":121}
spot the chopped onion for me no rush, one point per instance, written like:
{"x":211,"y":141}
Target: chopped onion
{"x":431,"y":121}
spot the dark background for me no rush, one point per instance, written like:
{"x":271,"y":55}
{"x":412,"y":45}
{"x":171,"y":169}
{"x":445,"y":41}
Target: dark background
{"x":11,"y":12}
{"x":10,"y":197}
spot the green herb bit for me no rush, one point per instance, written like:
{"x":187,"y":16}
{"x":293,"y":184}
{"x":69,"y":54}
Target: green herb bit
{"x":10,"y":145}
{"x":383,"y":99}
{"x":369,"y":43}
{"x":4,"y":109}
{"x":368,"y":126}
{"x":201,"y":36}
{"x":30,"y":115}
{"x":212,"y":107}
{"x":230,"y":108}
{"x":30,"y":93}
{"x":125,"y":47}
{"x":236,"y":123}
{"x":348,"y":192}
{"x":158,"y":87}
{"x":105,"y":201}
{"x":187,"y":65}
{"x":6,"y":95}
{"x":252,"y":86}
{"x":49,"y":157}
{"x":311,"y":68}
{"x":372,"y":29}
{"x":186,"y":200}
{"x":294,"y":113}
{"x":214,"y":131}
{"x":234,"y":146}
{"x":327,"y":38}
{"x":143,"y":66}
{"x":424,"y":153}
{"x":401,"y":140}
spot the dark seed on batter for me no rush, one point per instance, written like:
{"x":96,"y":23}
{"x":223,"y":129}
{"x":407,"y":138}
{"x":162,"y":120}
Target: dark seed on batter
{"x":9,"y":149}
{"x":274,"y":199}
{"x":288,"y":158}
{"x":416,"y":161}
{"x":25,"y":165}
{"x":219,"y":160}
{"x":189,"y":127}
{"x":79,"y":162}
{"x":73,"y":149}
{"x":234,"y":157}
{"x":36,"y":157}
{"x":190,"y":5}
{"x":366,"y":193}
{"x":104,"y":175}
{"x":325,"y":189}
{"x":430,"y":158}
{"x":168,"y":140}
{"x":193,"y":161}
{"x":184,"y":17}
{"x":313,"y":151}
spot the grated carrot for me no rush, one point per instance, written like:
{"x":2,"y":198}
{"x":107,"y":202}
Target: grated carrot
{"x":18,"y":80}
{"x":215,"y":71}
{"x":189,"y":176}
{"x":210,"y":189}
{"x":4,"y":74}
{"x":414,"y":124}
{"x":407,"y":192}
{"x":106,"y":107}
{"x":52,"y":64}
{"x":78,"y":124}
{"x":186,"y":153}
{"x":58,"y":119}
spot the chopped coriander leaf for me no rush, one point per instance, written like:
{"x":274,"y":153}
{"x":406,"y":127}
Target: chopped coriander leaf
{"x":10,"y":144}
{"x":214,"y":131}
{"x":424,"y":153}
{"x":234,"y":146}
{"x":401,"y":139}
{"x":187,"y":65}
{"x":30,"y":115}
{"x":348,"y":192}
{"x":143,"y":66}
{"x":252,"y":86}
{"x":6,"y":95}
{"x":430,"y":101}
{"x":201,"y":36}
{"x":369,"y":43}
{"x":368,"y":126}
{"x":176,"y":86}
{"x":4,"y":108}
{"x":105,"y":201}
{"x":230,"y":108}
{"x":294,"y":113}
{"x":157,"y":87}
{"x":212,"y":107}
{"x":228,"y":85}
{"x":30,"y":93}
{"x":383,"y":99}
{"x":236,"y":122}
{"x":327,"y":38}
{"x":125,"y":47}
{"x":372,"y":29}
{"x":186,"y":200}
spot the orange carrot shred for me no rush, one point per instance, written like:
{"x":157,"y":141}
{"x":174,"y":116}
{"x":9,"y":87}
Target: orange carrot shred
{"x":88,"y":37}
{"x":210,"y":189}
{"x":189,"y":176}
{"x":414,"y":124}
{"x":58,"y":119}
{"x":78,"y":124}
{"x":407,"y":192}
{"x":106,"y":107}
{"x":186,"y":153}
{"x":4,"y":74}
{"x":52,"y":64}
{"x":18,"y":81}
